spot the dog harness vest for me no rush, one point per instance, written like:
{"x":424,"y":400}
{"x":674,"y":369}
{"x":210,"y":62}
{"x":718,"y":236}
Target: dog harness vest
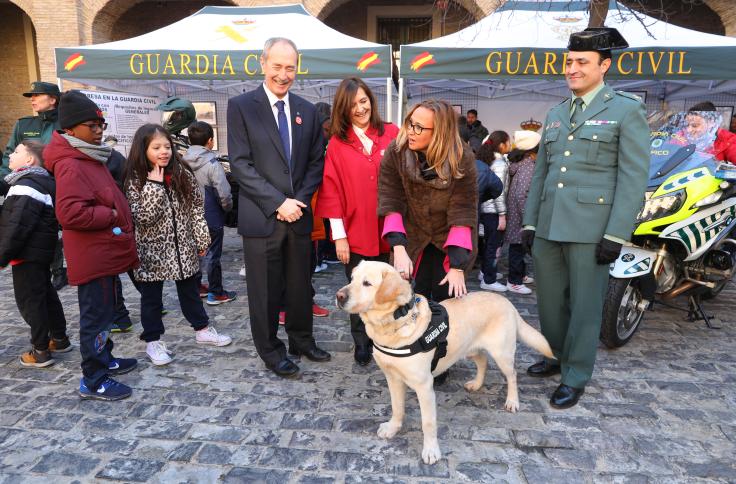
{"x":434,"y":337}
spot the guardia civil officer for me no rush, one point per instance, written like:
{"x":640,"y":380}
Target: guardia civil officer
{"x":44,"y":101}
{"x":587,"y":187}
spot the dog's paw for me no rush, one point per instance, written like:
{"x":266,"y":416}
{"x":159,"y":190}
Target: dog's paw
{"x":511,"y":405}
{"x":431,"y":453}
{"x":388,"y":429}
{"x":473,"y":386}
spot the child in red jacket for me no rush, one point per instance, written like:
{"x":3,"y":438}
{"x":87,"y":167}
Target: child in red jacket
{"x":99,"y":244}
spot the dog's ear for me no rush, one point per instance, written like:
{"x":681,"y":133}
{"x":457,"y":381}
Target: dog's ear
{"x":390,"y":288}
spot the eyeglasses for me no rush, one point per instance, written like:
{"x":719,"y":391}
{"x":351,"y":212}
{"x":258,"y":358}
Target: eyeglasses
{"x":417,"y":128}
{"x":95,"y":126}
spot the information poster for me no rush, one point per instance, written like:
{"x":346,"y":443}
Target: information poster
{"x":124,"y":114}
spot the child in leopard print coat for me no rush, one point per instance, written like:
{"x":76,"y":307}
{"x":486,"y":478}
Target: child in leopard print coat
{"x":170,"y":233}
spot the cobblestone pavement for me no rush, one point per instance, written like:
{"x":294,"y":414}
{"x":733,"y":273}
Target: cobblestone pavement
{"x":661,"y":409}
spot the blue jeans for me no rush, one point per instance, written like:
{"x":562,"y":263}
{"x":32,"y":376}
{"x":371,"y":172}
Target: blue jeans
{"x":97,"y":300}
{"x":493,"y":240}
{"x":191,"y":306}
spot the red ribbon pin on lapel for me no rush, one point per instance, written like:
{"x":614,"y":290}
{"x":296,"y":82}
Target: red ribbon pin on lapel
{"x":298,"y":119}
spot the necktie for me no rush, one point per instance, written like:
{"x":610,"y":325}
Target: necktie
{"x":577,"y":113}
{"x":284,"y":130}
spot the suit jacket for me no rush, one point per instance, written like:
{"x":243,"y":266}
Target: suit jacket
{"x":590,"y":179}
{"x":259,"y":164}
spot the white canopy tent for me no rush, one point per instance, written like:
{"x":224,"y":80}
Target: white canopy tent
{"x":519,"y":50}
{"x":214,"y":54}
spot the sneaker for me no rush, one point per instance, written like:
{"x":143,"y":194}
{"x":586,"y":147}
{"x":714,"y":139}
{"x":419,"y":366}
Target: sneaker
{"x":37,"y":359}
{"x":120,"y":366}
{"x":60,"y":345}
{"x":242,"y":271}
{"x":499,"y":276}
{"x":480,"y":276}
{"x":108,"y":390}
{"x":121,"y":327}
{"x":158,"y":353}
{"x":319,"y":312}
{"x":528,"y":280}
{"x":59,"y":279}
{"x":210,"y":336}
{"x":282,"y":318}
{"x":496,"y":287}
{"x":215,"y":299}
{"x":518,"y":288}
{"x":321,"y":267}
{"x":203,"y":290}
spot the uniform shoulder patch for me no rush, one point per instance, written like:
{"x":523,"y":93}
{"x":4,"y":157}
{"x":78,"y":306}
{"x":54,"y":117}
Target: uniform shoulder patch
{"x":629,"y":95}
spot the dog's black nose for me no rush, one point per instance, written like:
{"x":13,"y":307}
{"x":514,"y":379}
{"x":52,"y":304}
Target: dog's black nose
{"x":341,"y":296}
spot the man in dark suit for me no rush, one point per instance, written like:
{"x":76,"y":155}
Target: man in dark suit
{"x":276,"y":149}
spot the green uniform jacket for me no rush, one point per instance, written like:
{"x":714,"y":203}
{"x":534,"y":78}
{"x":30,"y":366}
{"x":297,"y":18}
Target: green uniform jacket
{"x":590,"y":179}
{"x":30,"y":127}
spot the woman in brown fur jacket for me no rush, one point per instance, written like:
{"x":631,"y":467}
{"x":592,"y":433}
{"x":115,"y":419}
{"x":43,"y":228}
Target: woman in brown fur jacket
{"x":428,"y":194}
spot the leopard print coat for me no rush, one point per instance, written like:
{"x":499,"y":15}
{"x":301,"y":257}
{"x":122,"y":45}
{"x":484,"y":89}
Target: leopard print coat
{"x":168,"y":233}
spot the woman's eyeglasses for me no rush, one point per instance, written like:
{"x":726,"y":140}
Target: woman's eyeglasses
{"x":417,"y":128}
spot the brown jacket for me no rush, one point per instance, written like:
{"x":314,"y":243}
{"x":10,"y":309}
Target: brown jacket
{"x":429,"y":208}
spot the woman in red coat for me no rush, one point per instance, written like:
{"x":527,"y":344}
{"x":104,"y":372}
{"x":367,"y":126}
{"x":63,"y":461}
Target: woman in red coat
{"x":349,"y":192}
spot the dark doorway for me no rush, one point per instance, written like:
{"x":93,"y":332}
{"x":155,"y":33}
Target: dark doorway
{"x":403,"y":30}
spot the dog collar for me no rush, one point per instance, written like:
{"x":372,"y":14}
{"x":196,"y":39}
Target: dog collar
{"x":434,"y":337}
{"x":402,"y":311}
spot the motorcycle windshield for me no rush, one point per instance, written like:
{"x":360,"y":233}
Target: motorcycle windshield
{"x":683,"y":143}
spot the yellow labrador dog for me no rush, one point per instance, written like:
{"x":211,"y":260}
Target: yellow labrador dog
{"x":479,"y":323}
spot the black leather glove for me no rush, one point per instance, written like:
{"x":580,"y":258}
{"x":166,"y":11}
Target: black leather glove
{"x":607,"y":251}
{"x":527,"y":240}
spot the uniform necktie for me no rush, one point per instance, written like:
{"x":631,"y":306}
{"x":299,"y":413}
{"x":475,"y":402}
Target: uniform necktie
{"x":577,"y":113}
{"x":284,"y":129}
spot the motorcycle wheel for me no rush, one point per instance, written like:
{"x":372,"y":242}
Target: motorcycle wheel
{"x":621,"y":313}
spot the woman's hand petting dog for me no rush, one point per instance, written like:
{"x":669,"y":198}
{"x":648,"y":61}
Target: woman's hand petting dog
{"x":402,"y":262}
{"x":456,"y":283}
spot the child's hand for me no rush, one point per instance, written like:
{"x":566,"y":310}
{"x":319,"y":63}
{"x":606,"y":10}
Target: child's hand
{"x":156,"y":174}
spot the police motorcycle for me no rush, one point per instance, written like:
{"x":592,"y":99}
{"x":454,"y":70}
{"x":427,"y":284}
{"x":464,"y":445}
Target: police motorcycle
{"x":683,"y":241}
{"x":180,"y":113}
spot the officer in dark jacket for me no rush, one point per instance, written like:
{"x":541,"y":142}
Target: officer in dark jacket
{"x":44,"y":101}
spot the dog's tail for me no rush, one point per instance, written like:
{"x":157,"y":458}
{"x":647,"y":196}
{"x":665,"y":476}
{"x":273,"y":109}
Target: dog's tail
{"x":532,"y":338}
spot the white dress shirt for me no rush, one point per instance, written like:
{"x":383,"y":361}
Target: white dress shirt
{"x":272,"y":99}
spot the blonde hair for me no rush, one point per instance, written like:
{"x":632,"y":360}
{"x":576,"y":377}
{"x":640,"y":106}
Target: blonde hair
{"x":446,"y":146}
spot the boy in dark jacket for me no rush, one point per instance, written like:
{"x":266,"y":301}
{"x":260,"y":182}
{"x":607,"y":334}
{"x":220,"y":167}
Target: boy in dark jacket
{"x":28,"y":229}
{"x":217,"y":201}
{"x":97,"y":229}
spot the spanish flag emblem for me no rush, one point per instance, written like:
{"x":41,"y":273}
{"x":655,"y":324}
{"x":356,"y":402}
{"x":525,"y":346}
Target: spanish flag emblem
{"x":369,"y":59}
{"x":74,"y":61}
{"x":422,"y":60}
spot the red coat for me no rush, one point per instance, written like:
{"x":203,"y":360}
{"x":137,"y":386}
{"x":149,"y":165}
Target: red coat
{"x":86,"y":193}
{"x":350,"y":189}
{"x":724,"y":147}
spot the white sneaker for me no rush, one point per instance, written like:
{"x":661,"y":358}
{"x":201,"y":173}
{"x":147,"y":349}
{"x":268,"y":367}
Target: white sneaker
{"x":499,"y":276}
{"x":518,"y":288}
{"x":242,"y":271}
{"x":496,"y":286}
{"x":158,"y":353}
{"x":480,"y":276}
{"x":528,"y":280}
{"x":209,"y":336}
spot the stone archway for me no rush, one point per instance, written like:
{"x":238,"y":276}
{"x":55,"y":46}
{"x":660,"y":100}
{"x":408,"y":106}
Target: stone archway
{"x":122,"y":19}
{"x":477,"y":8}
{"x":19,"y":59}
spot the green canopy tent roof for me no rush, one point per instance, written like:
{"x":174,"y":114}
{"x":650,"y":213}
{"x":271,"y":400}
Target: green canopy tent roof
{"x":218,"y":48}
{"x":520,"y":50}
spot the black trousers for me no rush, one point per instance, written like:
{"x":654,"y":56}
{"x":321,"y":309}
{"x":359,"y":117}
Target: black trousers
{"x":121,"y":314}
{"x":38,"y":303}
{"x":189,"y":301}
{"x":517,"y":266}
{"x":357,"y":327}
{"x":431,"y":271}
{"x":275,"y":265}
{"x":96,"y":309}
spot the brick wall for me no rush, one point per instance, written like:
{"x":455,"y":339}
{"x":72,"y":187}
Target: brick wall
{"x":15,"y":78}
